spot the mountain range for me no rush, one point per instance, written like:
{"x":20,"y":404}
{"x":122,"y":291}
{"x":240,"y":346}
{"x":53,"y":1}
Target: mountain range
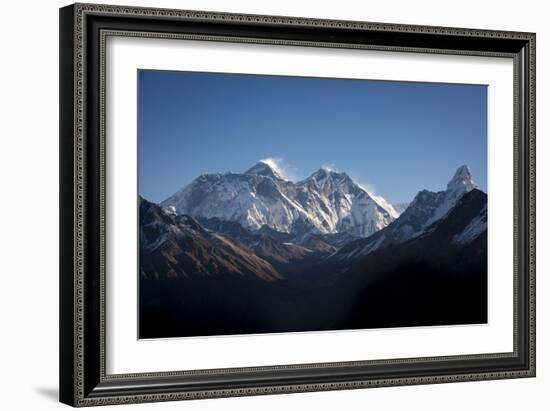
{"x":326,"y":202}
{"x":256,"y":245}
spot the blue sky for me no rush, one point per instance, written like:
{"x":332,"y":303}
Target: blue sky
{"x":396,"y":138}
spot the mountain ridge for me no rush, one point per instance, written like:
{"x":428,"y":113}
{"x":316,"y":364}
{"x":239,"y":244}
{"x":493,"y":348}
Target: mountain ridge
{"x":426,"y":208}
{"x":180,"y":247}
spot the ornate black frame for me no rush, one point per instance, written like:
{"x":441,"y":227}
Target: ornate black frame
{"x":83,"y":30}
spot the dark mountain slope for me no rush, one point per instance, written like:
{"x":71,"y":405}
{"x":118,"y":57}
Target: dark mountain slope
{"x":180,"y":247}
{"x":437,"y":278}
{"x":270,"y":245}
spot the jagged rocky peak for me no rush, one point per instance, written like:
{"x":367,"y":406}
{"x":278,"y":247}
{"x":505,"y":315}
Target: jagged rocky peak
{"x":462,"y":182}
{"x":323,"y":172}
{"x":328,"y":179}
{"x":327,"y":172}
{"x":267,"y":168}
{"x":440,"y":203}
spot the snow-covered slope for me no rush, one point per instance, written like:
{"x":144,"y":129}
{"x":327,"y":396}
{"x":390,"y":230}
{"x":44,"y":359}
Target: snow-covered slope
{"x":477,"y":226}
{"x":427,"y":208}
{"x":327,"y":202}
{"x":462,"y":182}
{"x":337,"y":204}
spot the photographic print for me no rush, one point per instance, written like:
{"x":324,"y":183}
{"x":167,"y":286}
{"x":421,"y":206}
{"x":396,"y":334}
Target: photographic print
{"x":275,"y":204}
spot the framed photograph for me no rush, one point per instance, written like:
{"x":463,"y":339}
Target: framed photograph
{"x":261,"y":204}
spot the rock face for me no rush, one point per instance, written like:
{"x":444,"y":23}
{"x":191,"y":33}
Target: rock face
{"x":327,"y":202}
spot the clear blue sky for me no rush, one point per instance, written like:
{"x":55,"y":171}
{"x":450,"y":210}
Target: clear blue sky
{"x":395,"y":137}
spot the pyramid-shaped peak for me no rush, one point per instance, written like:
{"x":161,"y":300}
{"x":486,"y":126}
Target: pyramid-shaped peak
{"x":462,"y":180}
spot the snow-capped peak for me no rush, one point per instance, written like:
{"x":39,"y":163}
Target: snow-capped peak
{"x":266,"y":167}
{"x":325,"y":172}
{"x":462,"y":181}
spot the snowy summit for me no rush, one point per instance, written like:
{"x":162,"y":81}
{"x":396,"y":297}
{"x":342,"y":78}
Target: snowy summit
{"x":268,"y":168}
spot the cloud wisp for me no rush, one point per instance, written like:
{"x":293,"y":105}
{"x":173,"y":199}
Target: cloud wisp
{"x":330,"y":167}
{"x":282,"y":167}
